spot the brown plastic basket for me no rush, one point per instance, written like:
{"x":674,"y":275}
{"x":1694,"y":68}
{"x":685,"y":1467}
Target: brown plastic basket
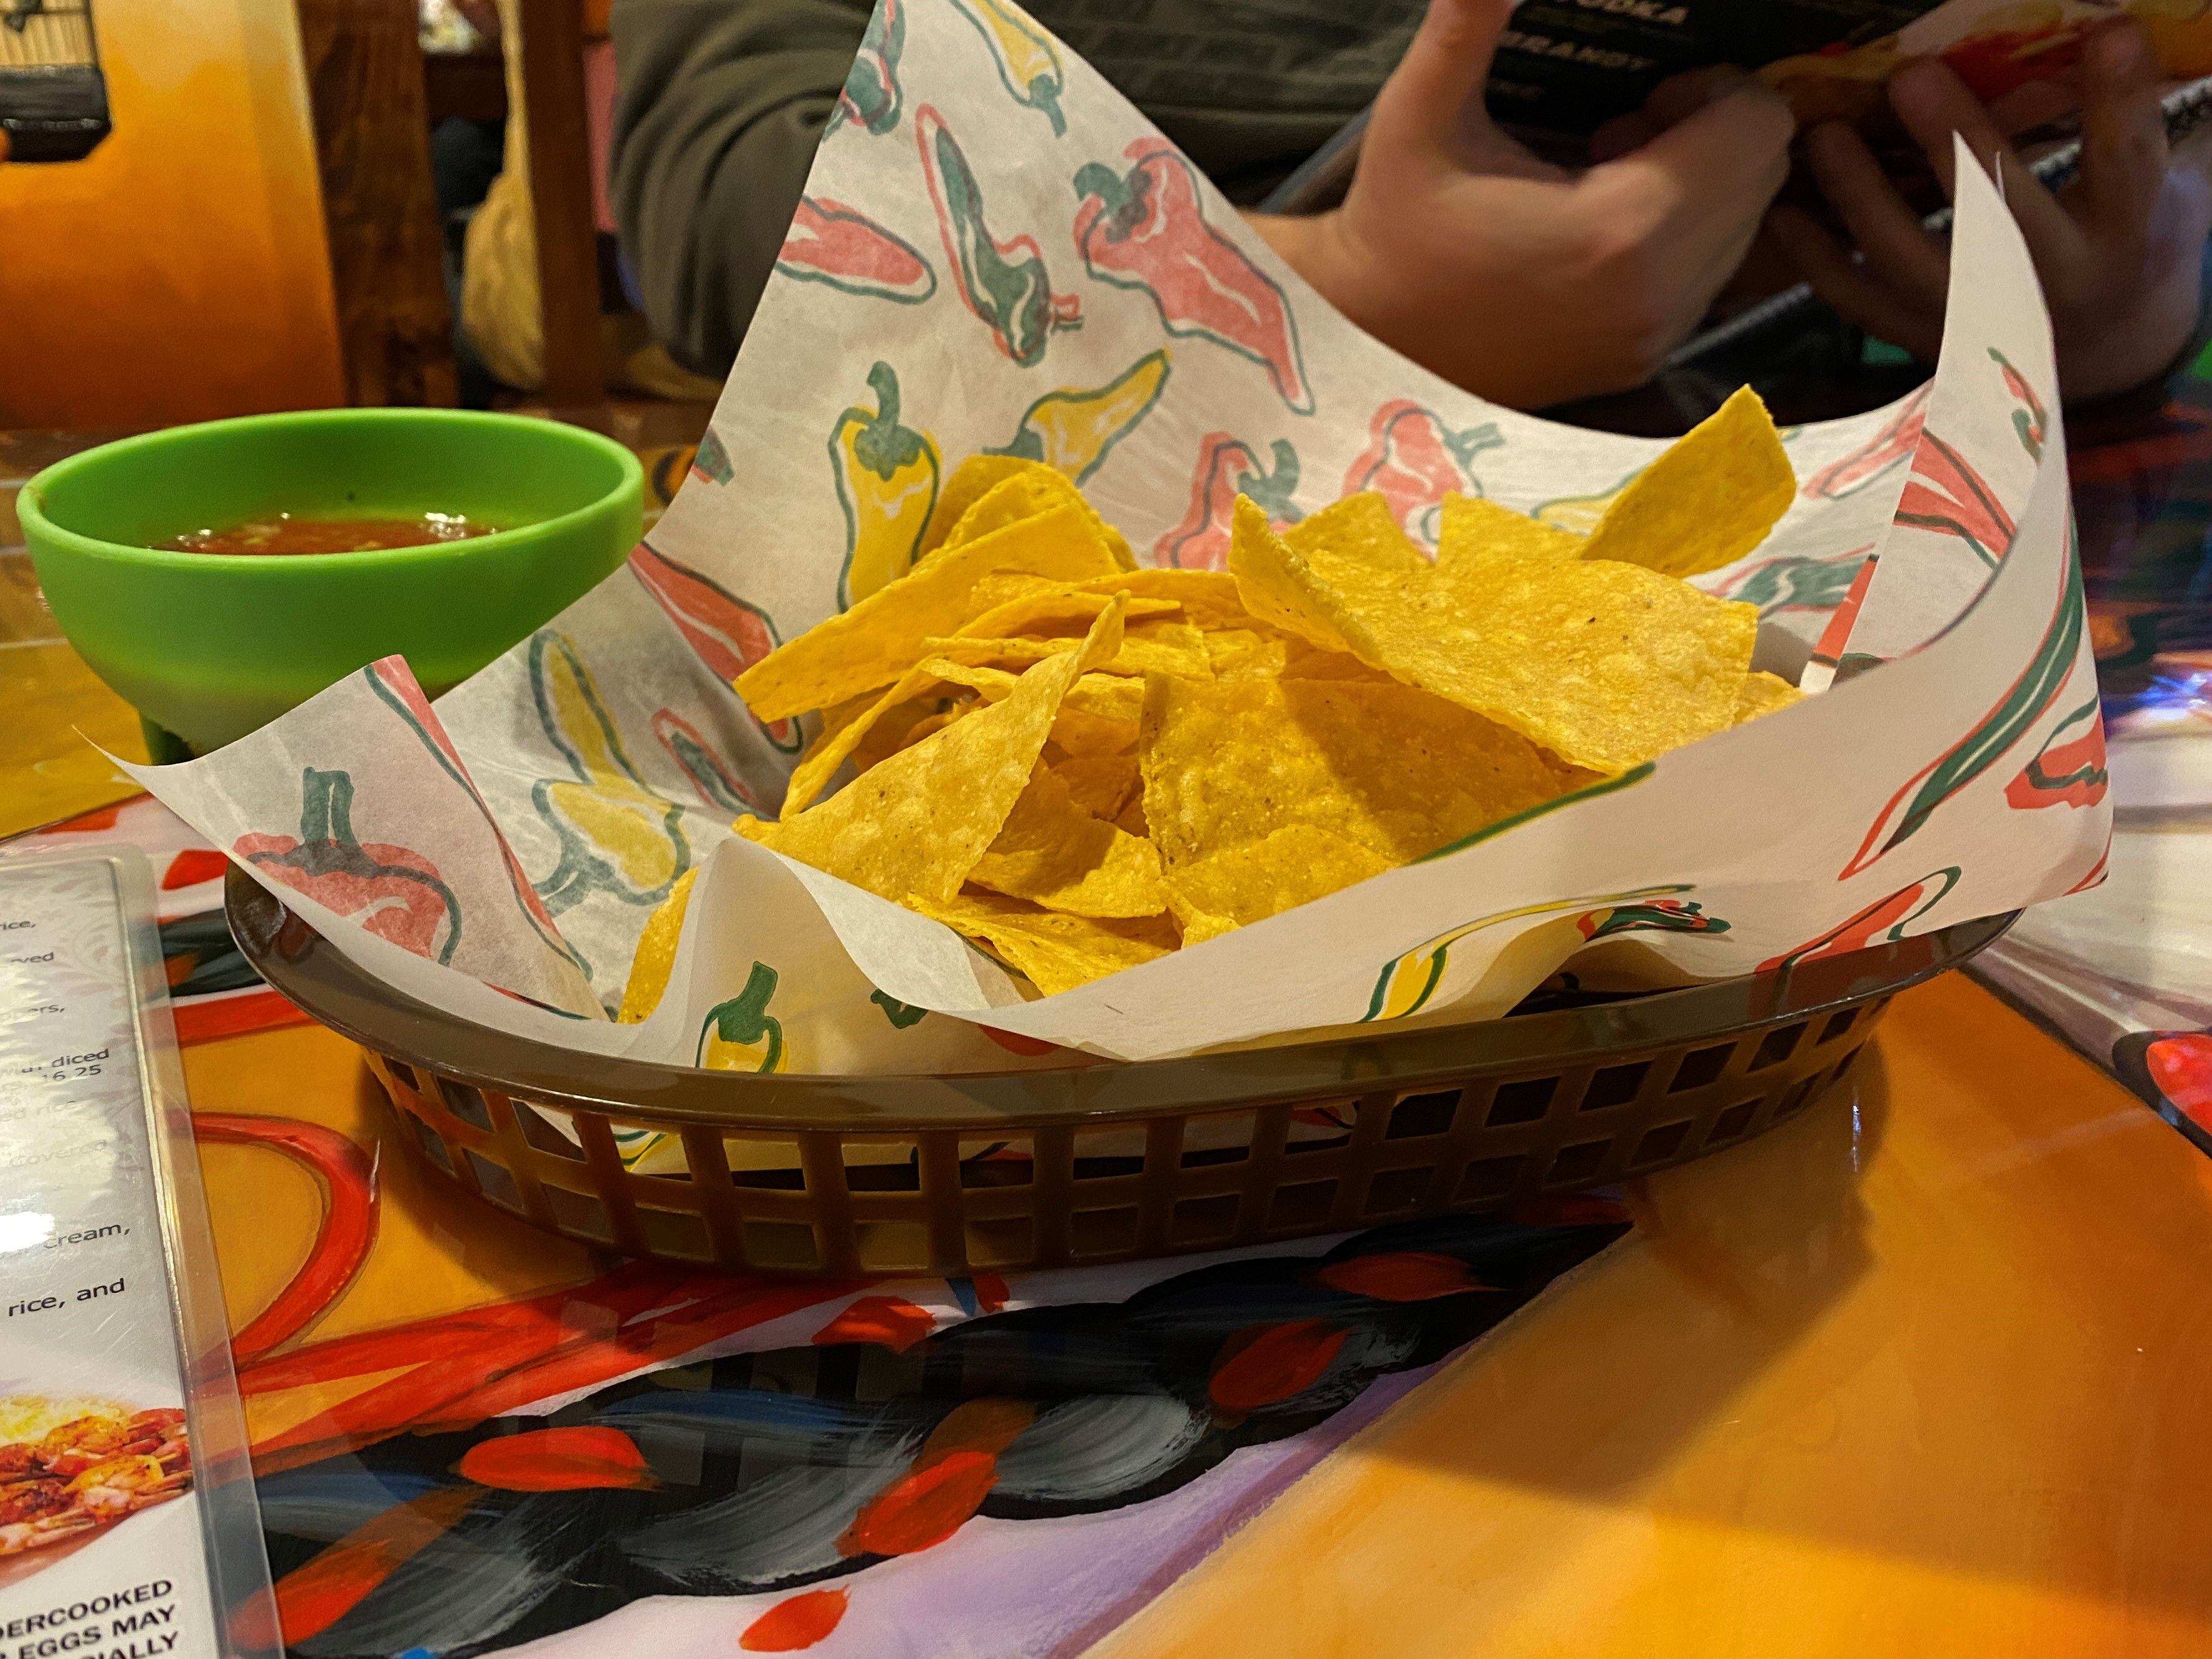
{"x":1099,"y":1162}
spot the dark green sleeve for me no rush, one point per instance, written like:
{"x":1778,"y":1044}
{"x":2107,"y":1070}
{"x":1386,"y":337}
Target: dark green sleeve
{"x":720,"y":106}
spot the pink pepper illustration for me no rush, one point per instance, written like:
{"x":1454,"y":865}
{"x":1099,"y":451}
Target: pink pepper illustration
{"x":1005,"y":284}
{"x":729,"y":634}
{"x":1871,"y":459}
{"x":1881,"y":923}
{"x":1228,"y":468}
{"x":841,"y":246}
{"x":1946,"y":494}
{"x":395,"y":892}
{"x":1415,"y":460}
{"x":2069,"y":770}
{"x":1144,"y":229}
{"x":1984,"y":744}
{"x":717,"y":786}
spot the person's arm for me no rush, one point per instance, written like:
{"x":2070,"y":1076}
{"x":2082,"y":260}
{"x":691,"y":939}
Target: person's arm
{"x":1517,"y":280}
{"x":720,"y":108}
{"x":2119,"y":251}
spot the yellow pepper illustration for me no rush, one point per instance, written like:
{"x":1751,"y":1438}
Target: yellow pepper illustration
{"x":1580,"y":513}
{"x":1027,"y":63}
{"x":615,"y":835}
{"x":1073,"y":429}
{"x":886,"y":478}
{"x":1406,"y":983}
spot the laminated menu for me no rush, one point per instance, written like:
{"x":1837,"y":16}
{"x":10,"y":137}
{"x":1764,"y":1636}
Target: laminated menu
{"x":997,"y":256}
{"x":1565,"y":67}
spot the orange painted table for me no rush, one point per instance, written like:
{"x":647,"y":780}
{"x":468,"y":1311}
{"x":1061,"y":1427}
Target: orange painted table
{"x":1923,"y":1371}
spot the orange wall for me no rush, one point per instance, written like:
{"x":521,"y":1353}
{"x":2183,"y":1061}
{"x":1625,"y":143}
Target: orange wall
{"x":180,"y":271}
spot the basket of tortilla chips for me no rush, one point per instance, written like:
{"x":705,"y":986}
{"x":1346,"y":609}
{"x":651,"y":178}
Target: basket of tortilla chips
{"x":1103,"y":758}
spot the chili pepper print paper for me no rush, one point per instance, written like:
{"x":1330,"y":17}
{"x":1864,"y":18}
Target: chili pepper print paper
{"x":996,"y":253}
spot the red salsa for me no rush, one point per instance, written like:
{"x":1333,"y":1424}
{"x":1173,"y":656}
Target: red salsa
{"x":285,"y":534}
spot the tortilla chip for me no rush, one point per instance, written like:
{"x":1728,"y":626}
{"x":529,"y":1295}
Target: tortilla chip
{"x":1475,"y":529}
{"x":1101,"y":784}
{"x":1098,"y":716}
{"x":1606,"y":664}
{"x":1208,"y":598}
{"x":656,"y":952}
{"x":1357,"y":530}
{"x":882,"y":729}
{"x":1705,"y":502}
{"x":1025,"y":489}
{"x":1173,"y":654}
{"x":1762,"y":693}
{"x":970,"y":481}
{"x":916,"y":824}
{"x":1292,"y":866}
{"x":1133,"y":817}
{"x":1057,"y":855}
{"x":1242,"y":653}
{"x":882,"y":636}
{"x":1056,"y":610}
{"x":1058,"y":953}
{"x":1387,"y":768}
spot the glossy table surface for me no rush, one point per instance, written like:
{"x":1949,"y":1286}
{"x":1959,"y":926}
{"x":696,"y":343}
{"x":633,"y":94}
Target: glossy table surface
{"x":1925,"y":1371}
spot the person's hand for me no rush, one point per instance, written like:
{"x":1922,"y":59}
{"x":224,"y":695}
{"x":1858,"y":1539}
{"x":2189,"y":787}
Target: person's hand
{"x":2118,"y":250}
{"x":1520,"y":282}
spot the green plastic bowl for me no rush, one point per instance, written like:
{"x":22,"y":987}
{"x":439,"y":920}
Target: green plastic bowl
{"x":210,"y":646}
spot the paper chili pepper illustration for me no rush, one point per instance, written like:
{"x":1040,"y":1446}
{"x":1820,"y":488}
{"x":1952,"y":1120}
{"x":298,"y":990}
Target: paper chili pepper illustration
{"x":2031,"y":420}
{"x":871,"y":97}
{"x":1005,"y":284}
{"x":615,"y":835}
{"x":1023,"y":52}
{"x":711,"y":461}
{"x":1144,"y":229}
{"x":1406,"y":983}
{"x":1896,"y":440}
{"x":1415,"y":460}
{"x":1882,"y":923}
{"x":1660,"y":915}
{"x":1580,"y":513}
{"x":2069,"y":770}
{"x":2023,"y":703}
{"x":1947,"y":494}
{"x":886,"y":476}
{"x":1227,"y":468}
{"x":695,"y":757}
{"x":395,"y":687}
{"x":1795,"y":582}
{"x":1073,"y":429}
{"x":729,"y":634}
{"x":740,"y":1035}
{"x":841,"y":246}
{"x":397,"y":891}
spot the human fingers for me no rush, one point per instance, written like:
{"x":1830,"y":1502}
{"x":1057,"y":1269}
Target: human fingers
{"x":1933,"y":104}
{"x":1709,"y":178}
{"x":1679,"y":97}
{"x":2123,"y":151}
{"x":1900,"y":252}
{"x":1856,"y":295}
{"x":1621,"y":135}
{"x":1433,"y":99}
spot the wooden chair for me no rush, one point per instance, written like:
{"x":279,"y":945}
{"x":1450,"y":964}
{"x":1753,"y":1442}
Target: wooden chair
{"x":367,"y":85}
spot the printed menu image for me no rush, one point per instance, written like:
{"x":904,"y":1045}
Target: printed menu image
{"x":71,"y":1468}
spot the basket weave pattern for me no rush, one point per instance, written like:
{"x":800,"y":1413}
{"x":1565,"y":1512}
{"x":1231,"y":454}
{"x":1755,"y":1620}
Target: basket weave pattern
{"x":946,"y":1200}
